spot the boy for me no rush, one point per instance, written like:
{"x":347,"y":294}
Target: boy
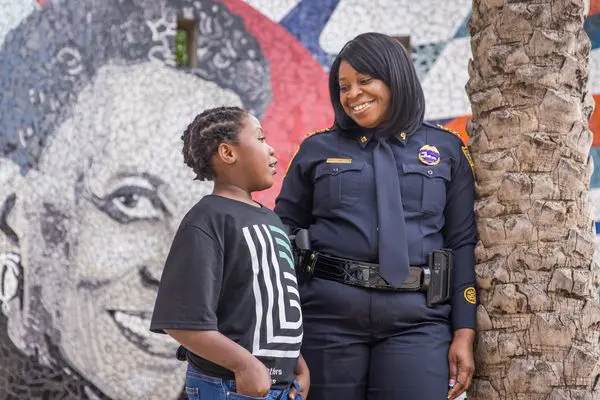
{"x":228,"y":292}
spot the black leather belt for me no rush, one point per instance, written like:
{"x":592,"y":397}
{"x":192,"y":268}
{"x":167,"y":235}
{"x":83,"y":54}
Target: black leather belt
{"x":359,"y":273}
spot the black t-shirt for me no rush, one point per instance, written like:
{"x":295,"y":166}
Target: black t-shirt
{"x":230,"y":268}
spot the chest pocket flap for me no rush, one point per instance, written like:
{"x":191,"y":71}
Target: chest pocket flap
{"x":337,"y":168}
{"x":338,"y":184}
{"x":424,"y":187}
{"x":435,"y":171}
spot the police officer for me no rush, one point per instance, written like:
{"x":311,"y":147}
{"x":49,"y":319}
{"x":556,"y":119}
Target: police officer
{"x":382,"y":194}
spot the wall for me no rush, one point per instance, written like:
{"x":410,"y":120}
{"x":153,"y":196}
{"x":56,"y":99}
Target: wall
{"x":92,"y":183}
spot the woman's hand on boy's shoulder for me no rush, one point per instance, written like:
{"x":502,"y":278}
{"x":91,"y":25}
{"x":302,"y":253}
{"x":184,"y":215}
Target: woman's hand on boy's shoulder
{"x":253,"y":378}
{"x":303,"y":379}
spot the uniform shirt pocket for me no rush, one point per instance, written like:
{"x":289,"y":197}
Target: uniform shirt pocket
{"x":424,"y":187}
{"x":338,"y":185}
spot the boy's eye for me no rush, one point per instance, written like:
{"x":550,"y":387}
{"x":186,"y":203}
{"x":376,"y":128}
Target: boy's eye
{"x":261,"y":139}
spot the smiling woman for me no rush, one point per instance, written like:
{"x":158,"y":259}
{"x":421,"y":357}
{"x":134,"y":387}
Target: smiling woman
{"x":89,"y":150}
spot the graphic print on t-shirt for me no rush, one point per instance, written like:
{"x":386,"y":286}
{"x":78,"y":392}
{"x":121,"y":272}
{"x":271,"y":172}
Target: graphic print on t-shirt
{"x":278,"y":329}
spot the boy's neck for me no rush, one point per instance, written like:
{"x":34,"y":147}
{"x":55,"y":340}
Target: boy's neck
{"x":234,"y":192}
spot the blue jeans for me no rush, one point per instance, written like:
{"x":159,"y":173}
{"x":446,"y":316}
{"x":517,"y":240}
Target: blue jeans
{"x":203,"y":387}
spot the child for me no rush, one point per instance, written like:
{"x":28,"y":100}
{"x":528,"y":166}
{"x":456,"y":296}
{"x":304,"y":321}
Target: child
{"x":228,"y":292}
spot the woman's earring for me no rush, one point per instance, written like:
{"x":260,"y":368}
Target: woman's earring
{"x":10,"y":277}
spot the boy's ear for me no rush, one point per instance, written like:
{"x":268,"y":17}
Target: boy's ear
{"x":226,"y":153}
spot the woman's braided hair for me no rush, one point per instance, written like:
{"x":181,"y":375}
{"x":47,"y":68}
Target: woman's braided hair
{"x":203,"y":136}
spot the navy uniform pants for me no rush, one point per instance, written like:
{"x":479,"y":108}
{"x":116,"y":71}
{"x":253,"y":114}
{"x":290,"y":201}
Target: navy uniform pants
{"x":371,"y":344}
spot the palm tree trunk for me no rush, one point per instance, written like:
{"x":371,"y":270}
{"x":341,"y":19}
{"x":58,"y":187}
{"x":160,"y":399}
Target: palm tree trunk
{"x":539,"y":322}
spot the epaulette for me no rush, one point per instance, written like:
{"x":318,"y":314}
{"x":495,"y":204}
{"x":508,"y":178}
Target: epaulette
{"x":445,"y":128}
{"x":313,"y":133}
{"x":317,"y":132}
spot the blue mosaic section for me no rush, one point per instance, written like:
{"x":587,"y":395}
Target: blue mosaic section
{"x":592,"y":27}
{"x":595,"y":181}
{"x":306,"y":22}
{"x":463,"y":30}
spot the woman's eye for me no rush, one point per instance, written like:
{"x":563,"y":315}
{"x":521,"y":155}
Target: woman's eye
{"x":366,"y":81}
{"x":343,"y":88}
{"x":133,"y":203}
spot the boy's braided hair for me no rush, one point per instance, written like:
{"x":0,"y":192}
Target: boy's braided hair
{"x":203,"y":136}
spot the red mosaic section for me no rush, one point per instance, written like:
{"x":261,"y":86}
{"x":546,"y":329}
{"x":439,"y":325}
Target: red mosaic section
{"x":594,"y":7}
{"x":300,"y":101}
{"x":595,"y":122}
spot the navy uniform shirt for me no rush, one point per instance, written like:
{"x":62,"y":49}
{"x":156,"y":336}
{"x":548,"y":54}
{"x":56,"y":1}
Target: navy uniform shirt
{"x":330,"y":189}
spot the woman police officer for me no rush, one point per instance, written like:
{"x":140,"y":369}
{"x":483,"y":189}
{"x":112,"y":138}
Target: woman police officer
{"x":383,"y":195}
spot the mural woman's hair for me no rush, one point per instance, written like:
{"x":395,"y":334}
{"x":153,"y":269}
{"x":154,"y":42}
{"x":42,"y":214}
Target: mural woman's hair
{"x":43,"y":69}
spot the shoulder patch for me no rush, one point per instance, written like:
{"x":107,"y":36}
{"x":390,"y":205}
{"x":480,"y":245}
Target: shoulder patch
{"x":465,"y":151}
{"x":470,"y":295}
{"x":317,"y":132}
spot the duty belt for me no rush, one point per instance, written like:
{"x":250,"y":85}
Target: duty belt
{"x":435,"y":278}
{"x":363,"y":274}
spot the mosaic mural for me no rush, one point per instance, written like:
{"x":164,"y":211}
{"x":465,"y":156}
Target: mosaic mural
{"x":92,"y":182}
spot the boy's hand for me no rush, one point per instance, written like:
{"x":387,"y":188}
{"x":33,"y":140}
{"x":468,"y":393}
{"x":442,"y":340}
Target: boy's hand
{"x":253,"y":378}
{"x":303,"y":379}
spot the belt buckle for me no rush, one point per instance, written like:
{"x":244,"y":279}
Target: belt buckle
{"x":374,"y":279}
{"x":360,"y":274}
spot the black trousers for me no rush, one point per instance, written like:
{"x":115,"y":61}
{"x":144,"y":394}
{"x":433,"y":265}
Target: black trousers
{"x":370,"y":344}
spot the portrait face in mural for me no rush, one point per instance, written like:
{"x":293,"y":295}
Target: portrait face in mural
{"x":90,"y":156}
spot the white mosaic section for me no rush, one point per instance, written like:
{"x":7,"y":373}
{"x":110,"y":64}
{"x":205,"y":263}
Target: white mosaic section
{"x":444,"y":85}
{"x":12,"y":12}
{"x":426,"y":21}
{"x":595,"y":71}
{"x":274,"y":9}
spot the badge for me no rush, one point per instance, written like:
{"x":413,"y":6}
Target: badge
{"x":363,"y":139}
{"x":429,"y":155}
{"x":465,"y":151}
{"x":470,"y":295}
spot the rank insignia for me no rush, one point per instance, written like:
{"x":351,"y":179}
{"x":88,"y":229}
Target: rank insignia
{"x":363,"y":139}
{"x":429,"y":155}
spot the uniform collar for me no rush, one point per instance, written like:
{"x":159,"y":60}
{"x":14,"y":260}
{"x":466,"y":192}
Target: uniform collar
{"x":364,"y":136}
